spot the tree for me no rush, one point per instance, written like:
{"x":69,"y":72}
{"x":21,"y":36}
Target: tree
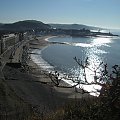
{"x":107,"y":105}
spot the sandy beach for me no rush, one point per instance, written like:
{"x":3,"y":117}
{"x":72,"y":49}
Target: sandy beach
{"x":34,"y":85}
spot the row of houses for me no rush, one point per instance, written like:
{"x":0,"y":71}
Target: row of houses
{"x":72,"y":32}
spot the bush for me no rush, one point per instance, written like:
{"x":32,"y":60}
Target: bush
{"x":104,"y":107}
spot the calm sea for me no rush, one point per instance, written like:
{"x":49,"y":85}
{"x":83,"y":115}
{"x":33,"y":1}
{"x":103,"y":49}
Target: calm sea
{"x":60,"y":56}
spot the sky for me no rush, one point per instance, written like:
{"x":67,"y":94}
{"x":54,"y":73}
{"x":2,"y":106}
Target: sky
{"x":99,"y":13}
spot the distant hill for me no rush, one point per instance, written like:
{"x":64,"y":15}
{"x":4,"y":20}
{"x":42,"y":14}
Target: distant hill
{"x":25,"y":25}
{"x":73,"y":26}
{"x":33,"y":24}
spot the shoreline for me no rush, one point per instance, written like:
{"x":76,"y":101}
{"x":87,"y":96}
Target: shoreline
{"x":34,"y":87}
{"x":71,"y":91}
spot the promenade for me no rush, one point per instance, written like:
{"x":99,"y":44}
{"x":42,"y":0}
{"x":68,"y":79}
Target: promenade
{"x":31,"y":86}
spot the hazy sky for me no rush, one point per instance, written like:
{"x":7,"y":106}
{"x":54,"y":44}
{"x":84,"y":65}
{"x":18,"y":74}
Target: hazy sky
{"x":102,"y":13}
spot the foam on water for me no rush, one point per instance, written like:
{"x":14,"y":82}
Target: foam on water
{"x":93,"y":52}
{"x":37,"y":58}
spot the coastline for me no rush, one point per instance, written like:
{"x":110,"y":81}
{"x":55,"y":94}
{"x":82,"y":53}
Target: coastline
{"x":31,"y":87}
{"x":70,"y":91}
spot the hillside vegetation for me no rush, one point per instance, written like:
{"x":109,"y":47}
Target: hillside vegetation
{"x":73,"y":26}
{"x":25,"y":25}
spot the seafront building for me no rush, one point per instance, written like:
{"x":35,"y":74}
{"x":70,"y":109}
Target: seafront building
{"x":8,"y":40}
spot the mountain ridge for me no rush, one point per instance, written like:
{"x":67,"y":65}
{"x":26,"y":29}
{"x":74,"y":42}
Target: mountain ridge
{"x":34,"y":24}
{"x":73,"y":26}
{"x":25,"y":25}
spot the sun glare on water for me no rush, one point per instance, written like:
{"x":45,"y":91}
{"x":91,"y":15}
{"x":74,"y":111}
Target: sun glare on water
{"x":92,"y":53}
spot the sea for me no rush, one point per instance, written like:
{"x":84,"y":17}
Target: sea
{"x":60,"y":57}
